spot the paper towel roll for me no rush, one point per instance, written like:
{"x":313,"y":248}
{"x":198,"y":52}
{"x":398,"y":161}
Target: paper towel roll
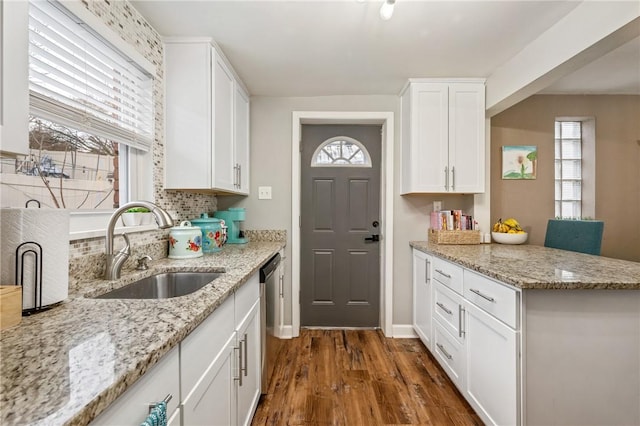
{"x":50,"y":229}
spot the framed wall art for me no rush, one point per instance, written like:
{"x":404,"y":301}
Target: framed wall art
{"x":519,"y":162}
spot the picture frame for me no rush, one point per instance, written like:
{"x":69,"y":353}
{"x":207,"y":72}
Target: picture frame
{"x":519,"y":162}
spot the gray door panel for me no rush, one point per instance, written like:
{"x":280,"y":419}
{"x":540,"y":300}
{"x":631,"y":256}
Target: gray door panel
{"x":340,"y":271}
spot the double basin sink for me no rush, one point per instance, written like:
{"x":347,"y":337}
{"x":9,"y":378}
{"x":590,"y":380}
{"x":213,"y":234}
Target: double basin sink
{"x":163,"y":286}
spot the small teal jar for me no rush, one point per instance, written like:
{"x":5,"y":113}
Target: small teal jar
{"x":212,"y":238}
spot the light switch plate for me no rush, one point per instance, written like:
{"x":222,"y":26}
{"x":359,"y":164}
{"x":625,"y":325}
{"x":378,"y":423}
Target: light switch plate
{"x":437,"y":206}
{"x":264,"y":193}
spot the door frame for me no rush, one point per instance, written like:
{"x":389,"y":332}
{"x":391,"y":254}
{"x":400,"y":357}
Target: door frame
{"x":385,"y":119}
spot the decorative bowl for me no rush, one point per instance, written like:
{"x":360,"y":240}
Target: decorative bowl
{"x":504,"y":238}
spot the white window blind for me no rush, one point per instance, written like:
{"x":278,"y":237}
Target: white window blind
{"x":78,"y":79}
{"x":568,"y":169}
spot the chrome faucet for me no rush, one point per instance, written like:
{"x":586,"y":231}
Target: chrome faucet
{"x":115,"y":261}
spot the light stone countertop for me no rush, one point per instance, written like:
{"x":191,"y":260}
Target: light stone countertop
{"x":66,"y":365}
{"x":536,"y":267}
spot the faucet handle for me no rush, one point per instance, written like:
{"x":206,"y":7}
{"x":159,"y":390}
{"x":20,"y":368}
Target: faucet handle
{"x":142,"y":263}
{"x":127,"y":248}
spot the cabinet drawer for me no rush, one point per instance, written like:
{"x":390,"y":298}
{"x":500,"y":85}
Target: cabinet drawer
{"x":497,"y":299}
{"x":450,"y":353}
{"x":446,"y":309}
{"x":448,"y":274}
{"x":132,"y":407}
{"x":199,"y":348}
{"x":245,"y":298}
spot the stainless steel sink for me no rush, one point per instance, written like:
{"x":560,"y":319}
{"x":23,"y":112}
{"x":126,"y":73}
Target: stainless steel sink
{"x":163,"y":286}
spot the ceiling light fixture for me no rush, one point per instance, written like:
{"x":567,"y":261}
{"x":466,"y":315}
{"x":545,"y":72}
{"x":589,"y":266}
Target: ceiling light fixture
{"x":386,"y":11}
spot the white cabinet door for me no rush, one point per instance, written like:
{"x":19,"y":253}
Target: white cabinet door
{"x":213,"y":401}
{"x":424,"y":137}
{"x":132,"y":407}
{"x":491,"y":384}
{"x":422,"y":288}
{"x":443,"y":136}
{"x":249,"y":386}
{"x":223,"y":111}
{"x":241,"y":137}
{"x":466,"y":138}
{"x":188,"y":149}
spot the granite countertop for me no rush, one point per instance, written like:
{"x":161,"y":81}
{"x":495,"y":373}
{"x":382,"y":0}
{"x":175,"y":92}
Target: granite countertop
{"x":536,"y":267}
{"x":66,"y":365}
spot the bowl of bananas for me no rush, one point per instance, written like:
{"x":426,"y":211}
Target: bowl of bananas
{"x":508,"y":232}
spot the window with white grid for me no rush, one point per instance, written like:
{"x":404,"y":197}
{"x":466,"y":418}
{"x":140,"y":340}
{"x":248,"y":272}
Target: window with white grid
{"x":568,"y":169}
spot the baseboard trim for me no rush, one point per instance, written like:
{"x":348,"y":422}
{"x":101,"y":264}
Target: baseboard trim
{"x":285,"y":332}
{"x":403,"y":331}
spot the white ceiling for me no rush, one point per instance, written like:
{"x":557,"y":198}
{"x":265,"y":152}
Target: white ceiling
{"x":342,"y":47}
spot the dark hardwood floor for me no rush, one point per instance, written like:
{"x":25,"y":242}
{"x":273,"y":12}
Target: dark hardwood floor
{"x":359,"y":377}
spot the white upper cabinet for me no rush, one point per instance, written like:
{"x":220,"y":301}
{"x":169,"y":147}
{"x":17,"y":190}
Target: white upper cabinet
{"x":207,"y":122}
{"x":443,"y":136}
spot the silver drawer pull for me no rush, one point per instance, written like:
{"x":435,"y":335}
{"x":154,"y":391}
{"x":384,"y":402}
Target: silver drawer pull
{"x":490,"y":299}
{"x":444,"y":308}
{"x":166,"y":400}
{"x":442,"y":273}
{"x":444,"y":352}
{"x":461,"y":311}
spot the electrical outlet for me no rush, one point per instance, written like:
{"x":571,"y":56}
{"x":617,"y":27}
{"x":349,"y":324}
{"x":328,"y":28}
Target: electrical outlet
{"x":437,"y":206}
{"x":264,"y":193}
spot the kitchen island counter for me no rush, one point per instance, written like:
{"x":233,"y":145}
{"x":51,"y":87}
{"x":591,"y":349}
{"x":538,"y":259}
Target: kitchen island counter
{"x":575,"y":331}
{"x":536,"y":267}
{"x":66,"y":365}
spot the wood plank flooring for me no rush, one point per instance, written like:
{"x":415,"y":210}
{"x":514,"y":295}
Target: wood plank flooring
{"x":359,"y":377}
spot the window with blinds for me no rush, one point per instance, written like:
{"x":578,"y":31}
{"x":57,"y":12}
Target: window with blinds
{"x":78,"y":79}
{"x":568,"y":169}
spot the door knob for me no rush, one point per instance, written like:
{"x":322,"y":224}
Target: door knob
{"x":374,"y":238}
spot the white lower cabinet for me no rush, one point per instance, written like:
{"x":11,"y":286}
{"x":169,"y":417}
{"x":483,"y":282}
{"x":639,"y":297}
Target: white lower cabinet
{"x":221,"y":364}
{"x":214,"y":376}
{"x":422,"y":293}
{"x":250,"y":374}
{"x":476,"y":338}
{"x":491,"y":384}
{"x":212,"y":400}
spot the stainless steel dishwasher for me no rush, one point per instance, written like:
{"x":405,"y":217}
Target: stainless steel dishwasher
{"x":269,"y":290}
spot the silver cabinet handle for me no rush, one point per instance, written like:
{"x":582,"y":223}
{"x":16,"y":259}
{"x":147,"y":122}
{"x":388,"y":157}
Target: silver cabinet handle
{"x":444,"y":308}
{"x":489,"y":298}
{"x":444,"y":352}
{"x":426,"y":271}
{"x":461,"y":312}
{"x":281,"y":286}
{"x":453,"y":178}
{"x":239,"y":378}
{"x":246,"y":358}
{"x":239,"y":176}
{"x":446,"y":178}
{"x":443,"y":274}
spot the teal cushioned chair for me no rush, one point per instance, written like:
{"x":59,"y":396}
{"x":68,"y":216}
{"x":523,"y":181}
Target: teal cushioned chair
{"x":584,"y":236}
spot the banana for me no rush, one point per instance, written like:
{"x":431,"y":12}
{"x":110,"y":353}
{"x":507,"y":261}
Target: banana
{"x":513,"y":224}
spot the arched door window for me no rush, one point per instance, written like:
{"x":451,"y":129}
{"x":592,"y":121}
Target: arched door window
{"x":341,"y":151}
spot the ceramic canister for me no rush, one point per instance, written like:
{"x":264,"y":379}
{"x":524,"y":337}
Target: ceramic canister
{"x":185,"y":241}
{"x":212,"y":236}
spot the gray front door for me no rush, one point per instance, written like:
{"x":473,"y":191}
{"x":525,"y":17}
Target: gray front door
{"x":339,"y":269}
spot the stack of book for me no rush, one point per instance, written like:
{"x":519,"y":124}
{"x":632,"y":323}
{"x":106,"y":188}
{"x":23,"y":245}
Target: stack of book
{"x":452,"y":220}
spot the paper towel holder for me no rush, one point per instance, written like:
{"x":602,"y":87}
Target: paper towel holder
{"x":26,"y":205}
{"x":35,"y":249}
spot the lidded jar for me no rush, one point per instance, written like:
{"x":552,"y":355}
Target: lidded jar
{"x":212,"y":235}
{"x":185,"y":241}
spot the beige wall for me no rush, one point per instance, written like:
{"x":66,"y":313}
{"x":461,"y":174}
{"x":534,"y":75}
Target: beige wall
{"x":271,"y":166}
{"x":617,"y":166}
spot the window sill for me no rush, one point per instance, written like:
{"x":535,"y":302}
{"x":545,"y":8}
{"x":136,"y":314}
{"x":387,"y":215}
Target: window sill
{"x":92,"y":224}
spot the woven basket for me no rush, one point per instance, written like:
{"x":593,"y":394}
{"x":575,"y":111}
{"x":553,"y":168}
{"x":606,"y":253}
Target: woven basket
{"x":454,"y":237}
